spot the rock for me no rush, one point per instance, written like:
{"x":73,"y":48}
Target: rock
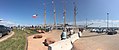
{"x":40,"y":31}
{"x":37,"y":36}
{"x":49,"y":41}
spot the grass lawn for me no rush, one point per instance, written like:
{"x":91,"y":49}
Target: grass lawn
{"x":30,"y":32}
{"x":16,"y":42}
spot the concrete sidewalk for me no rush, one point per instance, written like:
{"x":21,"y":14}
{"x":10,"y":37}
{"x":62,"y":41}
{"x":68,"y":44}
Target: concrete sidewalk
{"x":94,"y":41}
{"x":89,"y":41}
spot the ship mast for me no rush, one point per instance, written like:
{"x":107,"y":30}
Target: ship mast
{"x":44,"y":14}
{"x":54,"y":14}
{"x":64,"y":14}
{"x":75,"y":13}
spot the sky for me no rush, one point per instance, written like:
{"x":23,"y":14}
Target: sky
{"x":16,"y":12}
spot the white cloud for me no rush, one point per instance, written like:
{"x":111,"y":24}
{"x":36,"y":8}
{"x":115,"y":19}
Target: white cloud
{"x":7,"y":23}
{"x":97,"y":23}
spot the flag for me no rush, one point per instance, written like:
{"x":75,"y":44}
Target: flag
{"x":52,"y":1}
{"x":35,"y":15}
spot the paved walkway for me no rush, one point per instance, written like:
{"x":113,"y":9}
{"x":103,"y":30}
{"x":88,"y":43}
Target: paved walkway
{"x":7,"y":36}
{"x":94,"y":41}
{"x":37,"y":44}
{"x":89,"y":41}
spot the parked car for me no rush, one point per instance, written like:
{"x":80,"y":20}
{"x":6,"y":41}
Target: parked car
{"x":4,"y":30}
{"x":9,"y":29}
{"x":48,"y":28}
{"x":99,"y":30}
{"x":93,"y":30}
{"x":104,"y":30}
{"x":111,"y":32}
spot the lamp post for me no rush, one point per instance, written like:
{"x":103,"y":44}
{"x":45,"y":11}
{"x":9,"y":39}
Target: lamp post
{"x":107,"y":20}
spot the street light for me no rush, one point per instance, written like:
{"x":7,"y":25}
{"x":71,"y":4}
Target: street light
{"x":107,"y":20}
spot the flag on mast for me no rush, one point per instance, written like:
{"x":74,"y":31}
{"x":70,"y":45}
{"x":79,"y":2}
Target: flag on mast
{"x":35,"y":15}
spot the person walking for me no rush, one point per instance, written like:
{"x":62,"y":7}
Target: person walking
{"x":80,"y":32}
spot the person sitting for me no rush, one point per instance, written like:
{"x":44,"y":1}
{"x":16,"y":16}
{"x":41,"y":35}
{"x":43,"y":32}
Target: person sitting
{"x":63,"y":35}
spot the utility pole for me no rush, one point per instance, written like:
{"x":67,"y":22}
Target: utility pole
{"x":54,"y":14}
{"x":45,"y":15}
{"x":64,"y":14}
{"x":107,"y":20}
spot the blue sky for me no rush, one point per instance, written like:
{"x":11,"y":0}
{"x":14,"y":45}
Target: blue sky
{"x":21,"y":11}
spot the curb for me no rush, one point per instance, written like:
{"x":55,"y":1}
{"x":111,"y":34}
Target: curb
{"x":5,"y":38}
